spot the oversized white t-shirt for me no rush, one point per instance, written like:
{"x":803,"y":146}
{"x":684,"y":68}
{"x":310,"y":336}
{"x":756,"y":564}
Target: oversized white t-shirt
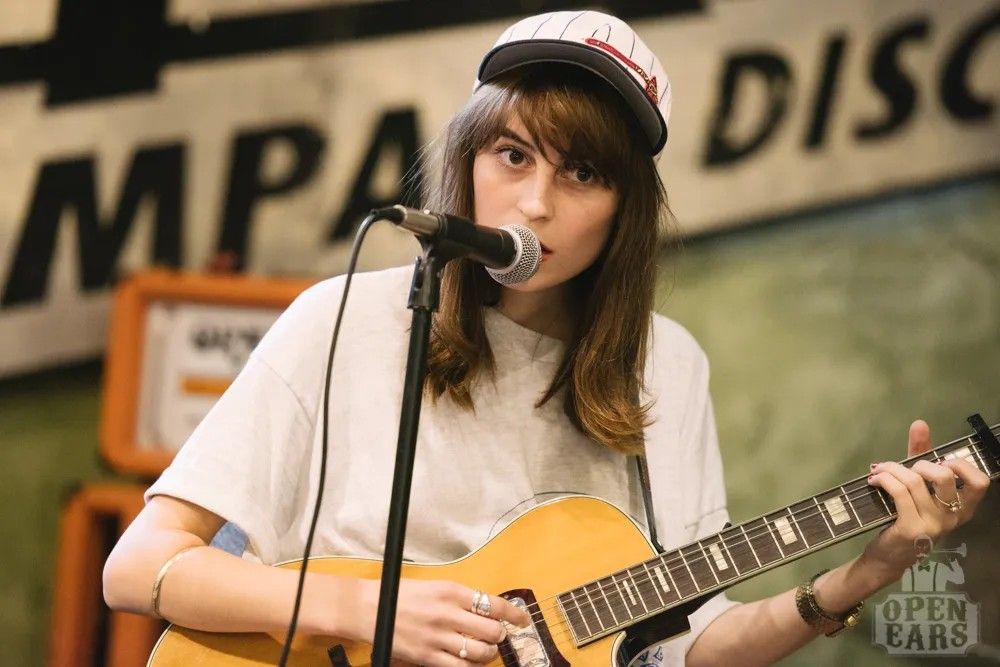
{"x":254,"y":459}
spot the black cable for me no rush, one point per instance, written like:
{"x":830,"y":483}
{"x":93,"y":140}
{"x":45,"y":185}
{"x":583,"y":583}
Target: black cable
{"x":372,"y":218}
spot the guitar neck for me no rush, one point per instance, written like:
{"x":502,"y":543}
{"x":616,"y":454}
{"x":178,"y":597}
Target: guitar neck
{"x":671,"y":579}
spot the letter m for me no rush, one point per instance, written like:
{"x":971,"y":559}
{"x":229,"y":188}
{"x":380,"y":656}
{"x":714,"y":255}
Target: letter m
{"x":156,"y":172}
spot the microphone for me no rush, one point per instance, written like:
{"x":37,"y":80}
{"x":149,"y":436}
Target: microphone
{"x":511,"y":254}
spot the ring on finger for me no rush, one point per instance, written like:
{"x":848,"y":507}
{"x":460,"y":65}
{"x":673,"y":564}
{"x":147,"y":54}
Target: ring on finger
{"x":952,"y":506}
{"x":481,"y":603}
{"x":463,"y":652}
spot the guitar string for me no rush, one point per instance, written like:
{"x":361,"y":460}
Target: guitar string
{"x":580,"y":602}
{"x":803,"y":515}
{"x":559,"y":630}
{"x":646,"y":582}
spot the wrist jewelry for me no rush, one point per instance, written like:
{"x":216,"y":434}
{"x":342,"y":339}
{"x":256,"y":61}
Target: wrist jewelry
{"x":162,"y":573}
{"x":816,"y":616}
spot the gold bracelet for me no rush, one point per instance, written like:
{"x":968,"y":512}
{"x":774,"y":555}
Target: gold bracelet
{"x":816,"y":616}
{"x":162,"y":573}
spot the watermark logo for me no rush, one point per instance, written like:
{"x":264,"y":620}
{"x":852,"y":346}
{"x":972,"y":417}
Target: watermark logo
{"x":927,"y":617}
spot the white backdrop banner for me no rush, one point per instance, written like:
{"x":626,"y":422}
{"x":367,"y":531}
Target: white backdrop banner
{"x":255,"y":134}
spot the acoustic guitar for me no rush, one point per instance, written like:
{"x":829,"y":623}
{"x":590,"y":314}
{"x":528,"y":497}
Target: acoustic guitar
{"x":596,"y":590}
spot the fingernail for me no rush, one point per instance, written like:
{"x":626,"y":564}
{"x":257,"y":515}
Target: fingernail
{"x":870,"y":478}
{"x":873,"y":466}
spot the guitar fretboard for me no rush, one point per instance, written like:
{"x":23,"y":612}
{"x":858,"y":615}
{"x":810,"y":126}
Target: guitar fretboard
{"x":621,"y":599}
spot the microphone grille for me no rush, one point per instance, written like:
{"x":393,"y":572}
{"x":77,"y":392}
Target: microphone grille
{"x":526,"y":261}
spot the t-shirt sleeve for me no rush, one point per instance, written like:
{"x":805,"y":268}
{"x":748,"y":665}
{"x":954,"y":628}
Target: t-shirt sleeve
{"x":246,"y":460}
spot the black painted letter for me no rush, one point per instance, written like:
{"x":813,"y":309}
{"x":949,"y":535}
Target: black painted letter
{"x":246,"y":184}
{"x":723,"y":151}
{"x":898,"y":90}
{"x":157,"y":172}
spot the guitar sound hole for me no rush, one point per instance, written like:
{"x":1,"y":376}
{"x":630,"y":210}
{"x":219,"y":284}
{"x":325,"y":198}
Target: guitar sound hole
{"x":531,"y":646}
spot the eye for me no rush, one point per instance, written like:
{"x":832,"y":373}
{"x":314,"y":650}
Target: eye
{"x":582,"y":173}
{"x":511,"y":156}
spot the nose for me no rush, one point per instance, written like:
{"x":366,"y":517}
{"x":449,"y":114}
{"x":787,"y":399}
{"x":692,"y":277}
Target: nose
{"x":536,"y":199}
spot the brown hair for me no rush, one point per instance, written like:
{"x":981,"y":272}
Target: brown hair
{"x":586,"y":121}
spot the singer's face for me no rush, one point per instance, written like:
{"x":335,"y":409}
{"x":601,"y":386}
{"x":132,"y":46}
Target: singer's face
{"x":568,"y":206}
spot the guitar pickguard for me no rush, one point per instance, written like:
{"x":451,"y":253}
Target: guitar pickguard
{"x":531,"y":646}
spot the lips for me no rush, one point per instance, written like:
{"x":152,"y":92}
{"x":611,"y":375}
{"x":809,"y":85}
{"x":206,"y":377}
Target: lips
{"x":545,"y":249}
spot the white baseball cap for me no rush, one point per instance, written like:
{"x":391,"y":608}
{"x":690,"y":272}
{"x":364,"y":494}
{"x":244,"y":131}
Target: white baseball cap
{"x":601,"y":43}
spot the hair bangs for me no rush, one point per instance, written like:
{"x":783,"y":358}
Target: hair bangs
{"x":564,"y":107}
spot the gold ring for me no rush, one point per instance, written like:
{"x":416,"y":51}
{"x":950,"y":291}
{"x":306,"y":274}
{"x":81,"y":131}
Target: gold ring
{"x":952,"y":506}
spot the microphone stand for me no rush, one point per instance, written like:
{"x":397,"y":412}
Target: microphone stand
{"x":423,"y":301}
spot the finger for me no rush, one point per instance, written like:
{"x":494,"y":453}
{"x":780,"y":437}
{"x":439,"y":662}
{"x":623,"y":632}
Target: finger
{"x":480,"y":627}
{"x":942,"y":479}
{"x":480,"y":652}
{"x":919,"y":439}
{"x":444,"y":658}
{"x":915,"y":484}
{"x":971,"y":476}
{"x":906,"y":510}
{"x":975,"y":483}
{"x":502,"y":610}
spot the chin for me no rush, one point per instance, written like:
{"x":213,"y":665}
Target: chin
{"x":547,"y":278}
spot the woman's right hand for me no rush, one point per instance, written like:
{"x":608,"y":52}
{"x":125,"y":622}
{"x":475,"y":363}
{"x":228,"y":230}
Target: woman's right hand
{"x":434,"y":621}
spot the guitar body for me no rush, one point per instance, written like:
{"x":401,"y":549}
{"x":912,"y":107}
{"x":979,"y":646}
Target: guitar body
{"x":550,"y":549}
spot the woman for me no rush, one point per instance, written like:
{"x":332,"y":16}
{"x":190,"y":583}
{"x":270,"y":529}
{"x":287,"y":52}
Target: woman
{"x":535,"y":389}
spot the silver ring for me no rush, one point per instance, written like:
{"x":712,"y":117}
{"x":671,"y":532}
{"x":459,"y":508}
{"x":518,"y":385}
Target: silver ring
{"x":462,"y":652}
{"x":481,"y":603}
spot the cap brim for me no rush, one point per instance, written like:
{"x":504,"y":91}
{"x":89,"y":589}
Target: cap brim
{"x":507,"y":56}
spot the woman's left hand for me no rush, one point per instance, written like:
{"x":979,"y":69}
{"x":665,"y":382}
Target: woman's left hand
{"x":920,"y":515}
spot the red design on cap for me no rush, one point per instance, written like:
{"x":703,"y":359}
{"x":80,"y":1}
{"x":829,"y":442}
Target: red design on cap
{"x":651,"y":92}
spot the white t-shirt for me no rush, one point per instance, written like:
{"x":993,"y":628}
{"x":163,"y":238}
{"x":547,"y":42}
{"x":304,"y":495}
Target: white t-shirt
{"x":254,"y":459}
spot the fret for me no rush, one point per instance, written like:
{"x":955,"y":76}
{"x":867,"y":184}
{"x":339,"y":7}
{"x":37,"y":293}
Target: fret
{"x":750,"y":544}
{"x":672,"y":589}
{"x":694,"y":557}
{"x":850,"y":504}
{"x":654,"y":586}
{"x":978,"y":454}
{"x":840,"y":518}
{"x":587,"y":613}
{"x":707,"y":561}
{"x":630,"y":579}
{"x":625,"y":605}
{"x":884,"y":500}
{"x":990,"y":459}
{"x":571,"y":610}
{"x":684,"y":577}
{"x":730,"y":546}
{"x":867,"y":502}
{"x":597,"y":614}
{"x":786,"y":531}
{"x":605,"y":615}
{"x":628,"y":597}
{"x":819,"y":508}
{"x":718,"y":559}
{"x":602,"y":586}
{"x":962,"y":453}
{"x":766,"y":549}
{"x":777,"y":542}
{"x":812,"y":525}
{"x":645,"y":587}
